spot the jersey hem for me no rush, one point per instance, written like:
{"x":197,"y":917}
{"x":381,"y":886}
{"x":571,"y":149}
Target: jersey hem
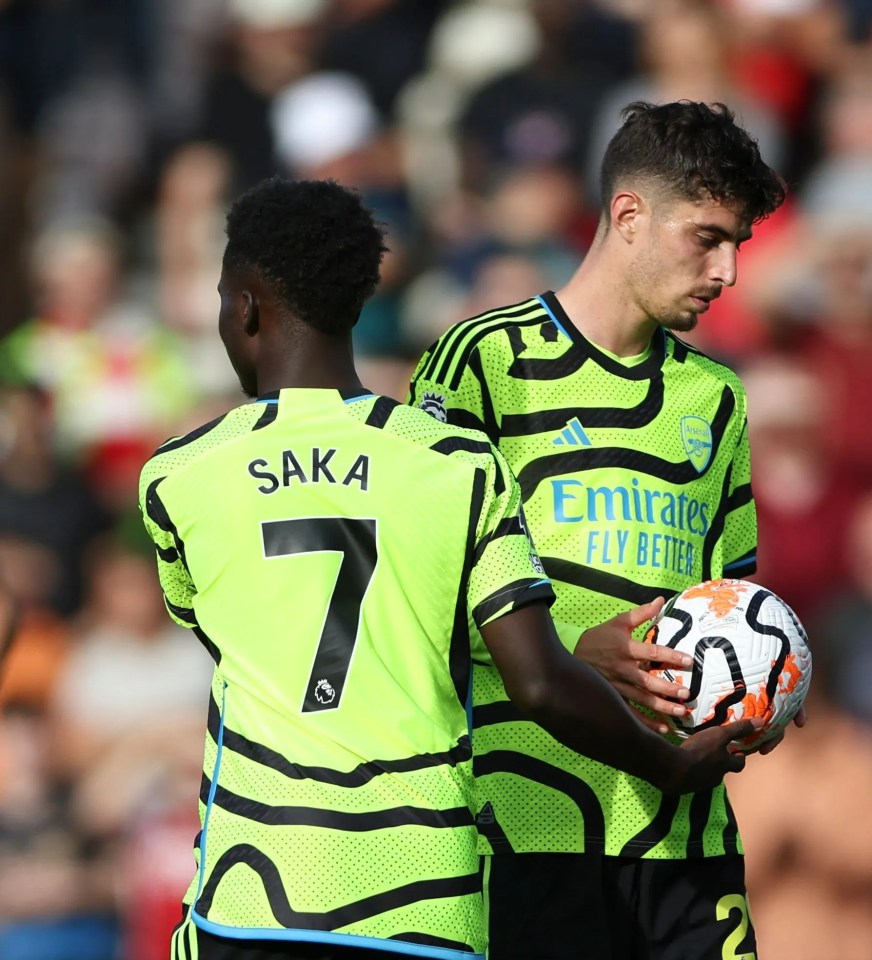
{"x":402,"y":947}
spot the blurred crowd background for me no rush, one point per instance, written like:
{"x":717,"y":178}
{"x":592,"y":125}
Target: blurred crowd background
{"x":474,"y":129}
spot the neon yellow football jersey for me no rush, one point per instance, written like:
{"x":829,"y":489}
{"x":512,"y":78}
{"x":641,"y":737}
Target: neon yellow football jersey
{"x":336,"y":553}
{"x":636,"y":484}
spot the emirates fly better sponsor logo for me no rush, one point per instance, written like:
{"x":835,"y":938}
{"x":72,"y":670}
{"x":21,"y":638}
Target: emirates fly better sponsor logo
{"x":632,"y":524}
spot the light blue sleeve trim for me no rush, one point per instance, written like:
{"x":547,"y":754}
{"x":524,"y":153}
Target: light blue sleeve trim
{"x":213,"y":787}
{"x":336,"y":939}
{"x":744,"y":562}
{"x":554,"y":319}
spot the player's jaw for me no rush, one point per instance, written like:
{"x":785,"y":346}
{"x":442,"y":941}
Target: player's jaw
{"x":684,"y":316}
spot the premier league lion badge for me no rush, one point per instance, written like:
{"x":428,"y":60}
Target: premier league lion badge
{"x":434,"y":404}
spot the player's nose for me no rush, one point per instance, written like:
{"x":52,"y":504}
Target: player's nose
{"x":724,"y":267}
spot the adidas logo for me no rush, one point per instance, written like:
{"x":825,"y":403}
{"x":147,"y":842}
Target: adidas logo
{"x":572,"y":435}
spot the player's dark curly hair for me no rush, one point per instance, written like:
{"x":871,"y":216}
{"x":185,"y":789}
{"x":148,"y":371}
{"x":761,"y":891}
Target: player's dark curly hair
{"x":313,"y":242}
{"x":691,"y":150}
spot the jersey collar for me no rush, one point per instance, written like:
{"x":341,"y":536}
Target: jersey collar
{"x":648,"y":368}
{"x":272,"y":396}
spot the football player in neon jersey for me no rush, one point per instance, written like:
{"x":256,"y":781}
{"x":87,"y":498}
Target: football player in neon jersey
{"x":338,"y":554}
{"x":631,"y":451}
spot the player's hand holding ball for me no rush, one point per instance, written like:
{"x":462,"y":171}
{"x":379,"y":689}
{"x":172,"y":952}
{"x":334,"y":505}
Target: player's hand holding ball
{"x":612,"y":650}
{"x":749,"y":655}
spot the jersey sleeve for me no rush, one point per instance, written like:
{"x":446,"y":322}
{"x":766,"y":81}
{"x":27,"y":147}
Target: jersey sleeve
{"x":451,"y":386}
{"x":740,"y":521}
{"x":506,"y":571}
{"x":175,"y":579}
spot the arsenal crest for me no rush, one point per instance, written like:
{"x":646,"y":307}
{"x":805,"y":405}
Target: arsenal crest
{"x":696,"y":435}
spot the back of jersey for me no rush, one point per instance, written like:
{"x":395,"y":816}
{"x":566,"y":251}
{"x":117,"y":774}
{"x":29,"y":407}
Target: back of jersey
{"x":331,"y":552}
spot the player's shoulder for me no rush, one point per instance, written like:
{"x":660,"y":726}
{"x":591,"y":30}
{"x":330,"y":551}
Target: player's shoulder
{"x":484,"y":331}
{"x":702,"y":364}
{"x":425,"y":428}
{"x":179,"y":452}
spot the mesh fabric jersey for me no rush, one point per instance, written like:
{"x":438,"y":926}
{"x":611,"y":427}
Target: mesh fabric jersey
{"x":636,"y":484}
{"x":335,"y":553}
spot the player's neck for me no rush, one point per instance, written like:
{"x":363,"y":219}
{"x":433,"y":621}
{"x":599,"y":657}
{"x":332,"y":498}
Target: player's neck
{"x":597,"y":302}
{"x":310,"y":366}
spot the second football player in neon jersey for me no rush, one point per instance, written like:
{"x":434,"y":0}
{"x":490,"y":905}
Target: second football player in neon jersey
{"x":631,"y":451}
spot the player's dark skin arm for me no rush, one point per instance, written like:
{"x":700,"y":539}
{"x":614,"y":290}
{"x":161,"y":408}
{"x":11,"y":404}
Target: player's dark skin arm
{"x":579,"y":708}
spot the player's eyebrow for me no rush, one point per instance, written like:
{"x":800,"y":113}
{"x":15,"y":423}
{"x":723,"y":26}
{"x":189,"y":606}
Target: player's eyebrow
{"x":723,"y":233}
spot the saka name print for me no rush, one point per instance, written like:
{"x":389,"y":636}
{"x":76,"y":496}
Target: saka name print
{"x":316,"y":466}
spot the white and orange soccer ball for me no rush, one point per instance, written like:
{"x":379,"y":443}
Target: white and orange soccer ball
{"x":750,"y":656}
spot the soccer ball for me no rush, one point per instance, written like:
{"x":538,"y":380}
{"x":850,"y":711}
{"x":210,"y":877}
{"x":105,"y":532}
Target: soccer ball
{"x":750,"y":657}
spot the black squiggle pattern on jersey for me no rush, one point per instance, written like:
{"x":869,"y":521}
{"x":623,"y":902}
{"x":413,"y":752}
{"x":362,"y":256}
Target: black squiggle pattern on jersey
{"x":303,"y":816}
{"x":655,"y":831}
{"x":372,"y":906}
{"x":523,"y":368}
{"x":361,"y":775}
{"x":600,"y":581}
{"x":571,"y":461}
{"x":625,"y":418}
{"x":529,"y":768}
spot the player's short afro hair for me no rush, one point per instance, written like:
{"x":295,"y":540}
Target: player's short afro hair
{"x":691,"y":150}
{"x":313,"y":242}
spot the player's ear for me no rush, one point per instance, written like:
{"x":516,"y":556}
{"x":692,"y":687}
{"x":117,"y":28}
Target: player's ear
{"x":627,"y":211}
{"x":250,"y":314}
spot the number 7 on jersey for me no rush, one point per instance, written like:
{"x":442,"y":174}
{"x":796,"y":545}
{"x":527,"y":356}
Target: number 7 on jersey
{"x":355,"y":539}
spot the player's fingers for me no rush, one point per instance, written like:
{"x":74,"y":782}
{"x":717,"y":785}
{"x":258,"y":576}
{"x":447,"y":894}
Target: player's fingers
{"x":736,"y":762}
{"x":801,"y":719}
{"x":725,"y":738}
{"x":740,"y":729}
{"x":661,"y":705}
{"x":650,"y":700}
{"x":647,"y":611}
{"x":661,"y":687}
{"x":658,"y":726}
{"x":666,"y":656}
